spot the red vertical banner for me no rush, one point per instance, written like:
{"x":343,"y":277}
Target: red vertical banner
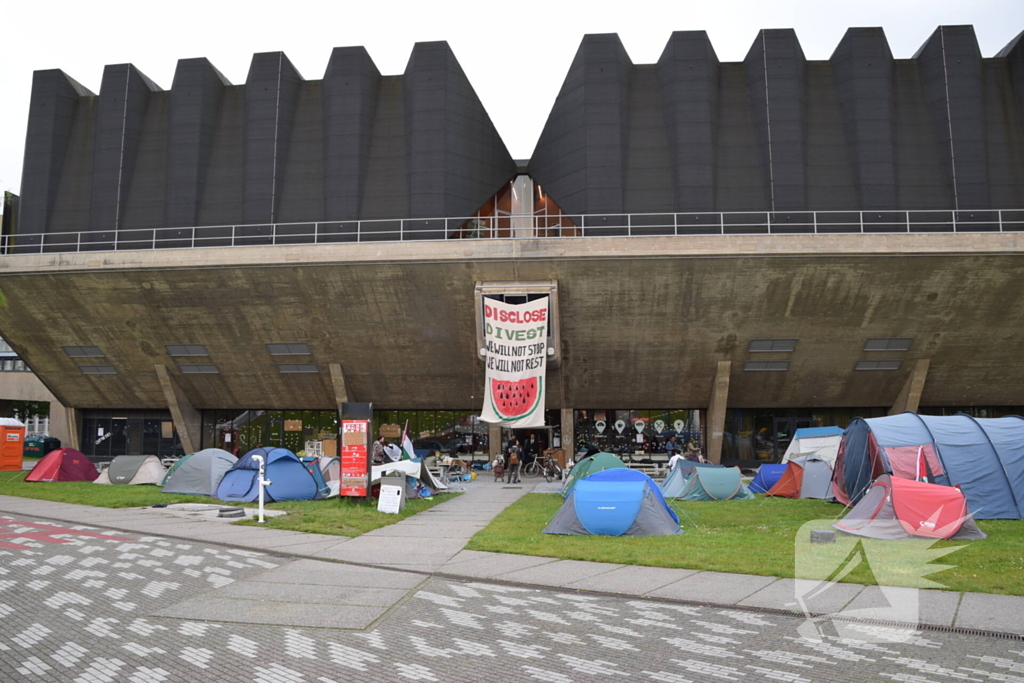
{"x":355,"y":461}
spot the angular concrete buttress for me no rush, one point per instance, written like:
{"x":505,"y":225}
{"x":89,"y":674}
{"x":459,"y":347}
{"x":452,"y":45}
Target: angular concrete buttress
{"x":910,"y":395}
{"x":187,"y":420}
{"x":568,"y":433}
{"x":716,"y":411}
{"x":338,"y":382}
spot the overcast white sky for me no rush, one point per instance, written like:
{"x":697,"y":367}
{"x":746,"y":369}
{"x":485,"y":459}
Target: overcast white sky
{"x":514,"y":53}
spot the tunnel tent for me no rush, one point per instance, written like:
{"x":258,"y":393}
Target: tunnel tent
{"x":588,"y":466}
{"x":719,"y":483}
{"x":199,"y":473}
{"x":806,"y":476}
{"x":983,"y":456}
{"x":615,"y":502}
{"x":893,"y":509}
{"x":63,"y":464}
{"x":820,"y":441}
{"x":288,"y":476}
{"x":133,"y":470}
{"x":767,"y":476}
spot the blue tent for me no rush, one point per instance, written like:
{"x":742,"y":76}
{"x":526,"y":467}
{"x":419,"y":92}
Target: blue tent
{"x":767,"y":476}
{"x":290,"y":480}
{"x":984,"y":457}
{"x":616,"y":502}
{"x":814,"y":432}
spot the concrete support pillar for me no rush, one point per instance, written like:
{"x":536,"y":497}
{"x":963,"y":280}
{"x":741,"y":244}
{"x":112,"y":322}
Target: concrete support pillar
{"x":493,"y":440}
{"x":340,"y":388}
{"x":716,"y":411}
{"x":568,"y":433}
{"x":910,"y":395}
{"x":187,"y":420}
{"x":66,"y":425}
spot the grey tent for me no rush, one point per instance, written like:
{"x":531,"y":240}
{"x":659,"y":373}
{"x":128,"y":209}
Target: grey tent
{"x":200,"y":473}
{"x":133,"y":469}
{"x":806,"y":476}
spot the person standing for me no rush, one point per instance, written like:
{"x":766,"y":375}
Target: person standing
{"x":514,"y":462}
{"x":671,"y":447}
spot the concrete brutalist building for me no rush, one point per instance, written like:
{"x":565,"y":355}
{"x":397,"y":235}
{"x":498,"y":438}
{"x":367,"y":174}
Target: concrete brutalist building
{"x":736,"y":250}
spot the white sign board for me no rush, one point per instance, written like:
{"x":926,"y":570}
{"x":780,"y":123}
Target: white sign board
{"x":516,"y":352}
{"x":390,"y":500}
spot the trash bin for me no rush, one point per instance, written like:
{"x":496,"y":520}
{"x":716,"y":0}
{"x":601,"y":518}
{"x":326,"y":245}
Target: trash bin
{"x":38,"y":446}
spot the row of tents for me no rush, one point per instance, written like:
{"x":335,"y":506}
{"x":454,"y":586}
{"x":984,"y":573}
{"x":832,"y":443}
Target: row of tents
{"x":217,"y":473}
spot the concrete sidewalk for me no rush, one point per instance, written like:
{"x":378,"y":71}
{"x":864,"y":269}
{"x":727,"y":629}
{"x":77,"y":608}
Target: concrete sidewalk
{"x":432,"y":542}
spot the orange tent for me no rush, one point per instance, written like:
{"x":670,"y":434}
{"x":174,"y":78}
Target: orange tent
{"x":806,"y":476}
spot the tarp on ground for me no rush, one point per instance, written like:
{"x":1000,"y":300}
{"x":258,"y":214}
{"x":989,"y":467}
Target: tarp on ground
{"x":587,"y":466}
{"x":983,"y":456}
{"x":288,"y":476}
{"x":63,"y":464}
{"x":615,"y":502}
{"x":715,"y":483}
{"x":767,"y":476}
{"x":199,"y":473}
{"x":410,"y":468}
{"x":806,"y":476}
{"x":820,"y":441}
{"x":133,"y":470}
{"x":895,"y":509}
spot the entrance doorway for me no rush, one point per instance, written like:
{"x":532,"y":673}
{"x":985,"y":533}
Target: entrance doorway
{"x":532,"y":441}
{"x":783,"y":431}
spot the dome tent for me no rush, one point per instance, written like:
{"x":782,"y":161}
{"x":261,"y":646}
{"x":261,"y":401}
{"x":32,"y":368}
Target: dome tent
{"x":767,"y":476}
{"x":64,"y":464}
{"x":983,"y":456}
{"x":199,"y":473}
{"x":288,"y":476}
{"x":806,"y":476}
{"x":820,"y":441}
{"x":676,"y":480}
{"x":587,"y":466}
{"x":615,"y":502}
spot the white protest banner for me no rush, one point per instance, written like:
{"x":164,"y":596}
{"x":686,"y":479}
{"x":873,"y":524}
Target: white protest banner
{"x":516,"y":345}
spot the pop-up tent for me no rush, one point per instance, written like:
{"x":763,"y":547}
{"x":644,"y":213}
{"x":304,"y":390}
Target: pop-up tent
{"x":675,"y":482}
{"x":587,"y":466}
{"x":984,"y":457}
{"x":715,"y":483}
{"x":199,"y":473}
{"x":894,"y":509}
{"x":133,"y":469}
{"x":820,"y":441}
{"x":288,"y":476}
{"x":806,"y":476}
{"x":767,"y":476}
{"x":615,"y":502}
{"x":64,"y":464}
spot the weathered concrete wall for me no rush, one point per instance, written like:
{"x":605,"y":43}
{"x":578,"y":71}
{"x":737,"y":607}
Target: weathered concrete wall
{"x":644,"y":319}
{"x":25,"y":386}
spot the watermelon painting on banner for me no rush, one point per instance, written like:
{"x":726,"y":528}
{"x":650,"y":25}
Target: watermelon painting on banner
{"x":516,"y":351}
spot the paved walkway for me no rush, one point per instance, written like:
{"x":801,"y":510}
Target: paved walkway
{"x":432,"y":542}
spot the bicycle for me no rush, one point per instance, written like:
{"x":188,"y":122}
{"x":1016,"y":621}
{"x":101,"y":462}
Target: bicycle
{"x":545,"y":465}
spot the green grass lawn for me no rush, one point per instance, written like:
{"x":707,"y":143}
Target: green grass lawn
{"x":748,"y":537}
{"x":340,"y":517}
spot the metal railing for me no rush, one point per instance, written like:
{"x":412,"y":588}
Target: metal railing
{"x":522,"y":227}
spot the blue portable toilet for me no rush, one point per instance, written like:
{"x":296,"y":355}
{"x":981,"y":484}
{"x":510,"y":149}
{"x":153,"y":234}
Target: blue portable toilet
{"x":288,"y":476}
{"x":616,"y":502}
{"x":767,"y":476}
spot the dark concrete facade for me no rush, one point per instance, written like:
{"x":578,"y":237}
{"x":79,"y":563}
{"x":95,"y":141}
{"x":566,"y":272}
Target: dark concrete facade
{"x":279,"y":149}
{"x":860,"y":131}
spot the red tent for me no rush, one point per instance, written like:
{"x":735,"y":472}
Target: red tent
{"x":63,"y":464}
{"x":894,"y":508}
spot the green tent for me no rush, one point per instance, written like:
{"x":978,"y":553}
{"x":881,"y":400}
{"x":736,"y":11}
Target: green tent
{"x":715,"y":483}
{"x":587,"y":466}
